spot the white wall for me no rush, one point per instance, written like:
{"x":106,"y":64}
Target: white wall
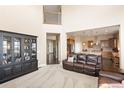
{"x":76,"y":18}
{"x":29,"y":20}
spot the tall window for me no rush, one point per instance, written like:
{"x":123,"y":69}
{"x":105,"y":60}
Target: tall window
{"x":52,"y":14}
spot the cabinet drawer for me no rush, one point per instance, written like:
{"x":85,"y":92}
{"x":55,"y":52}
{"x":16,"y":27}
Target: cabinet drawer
{"x":1,"y":74}
{"x":26,"y":66}
{"x":7,"y":71}
{"x":34,"y":65}
{"x":17,"y":69}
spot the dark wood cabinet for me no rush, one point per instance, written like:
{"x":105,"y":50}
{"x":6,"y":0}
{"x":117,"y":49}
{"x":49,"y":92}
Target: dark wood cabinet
{"x":18,"y":55}
{"x":70,"y":46}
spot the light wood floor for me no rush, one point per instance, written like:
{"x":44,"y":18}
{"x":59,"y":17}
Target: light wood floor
{"x":52,"y":76}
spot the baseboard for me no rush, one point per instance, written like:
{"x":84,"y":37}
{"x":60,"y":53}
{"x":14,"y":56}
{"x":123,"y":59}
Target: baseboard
{"x":41,"y":65}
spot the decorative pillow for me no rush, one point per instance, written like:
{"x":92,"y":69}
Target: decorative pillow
{"x":70,"y":59}
{"x":75,"y":58}
{"x":82,"y":57}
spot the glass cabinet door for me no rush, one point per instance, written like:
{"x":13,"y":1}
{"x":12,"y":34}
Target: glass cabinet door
{"x":7,"y":49}
{"x":33,"y":49}
{"x":17,"y":50}
{"x":26,"y":49}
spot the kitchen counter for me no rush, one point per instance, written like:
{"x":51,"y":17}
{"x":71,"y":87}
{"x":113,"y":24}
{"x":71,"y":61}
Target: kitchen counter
{"x":95,"y":53}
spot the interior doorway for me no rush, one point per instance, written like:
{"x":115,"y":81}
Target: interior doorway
{"x":52,"y":48}
{"x":103,"y":41}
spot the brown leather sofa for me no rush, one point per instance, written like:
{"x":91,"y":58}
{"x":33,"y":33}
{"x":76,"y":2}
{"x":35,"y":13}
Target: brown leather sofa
{"x":89,"y":64}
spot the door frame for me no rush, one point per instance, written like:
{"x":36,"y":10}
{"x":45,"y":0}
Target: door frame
{"x":58,"y":46}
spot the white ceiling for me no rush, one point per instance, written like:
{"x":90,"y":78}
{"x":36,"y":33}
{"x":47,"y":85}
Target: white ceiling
{"x":96,"y":32}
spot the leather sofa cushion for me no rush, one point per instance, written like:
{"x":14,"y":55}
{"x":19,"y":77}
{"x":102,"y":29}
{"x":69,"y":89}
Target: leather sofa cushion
{"x":77,"y":64}
{"x":80,"y":61}
{"x":90,"y":67}
{"x":82,"y":58}
{"x":112,"y":75}
{"x":92,"y":59}
{"x":91,"y":63}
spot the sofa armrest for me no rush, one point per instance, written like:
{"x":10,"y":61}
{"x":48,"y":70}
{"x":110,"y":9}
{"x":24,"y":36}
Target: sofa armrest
{"x":64,"y":60}
{"x":98,"y":66}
